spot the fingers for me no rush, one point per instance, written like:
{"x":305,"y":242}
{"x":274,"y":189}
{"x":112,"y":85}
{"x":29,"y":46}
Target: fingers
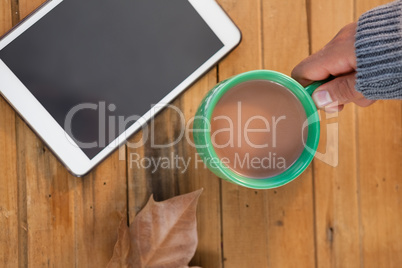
{"x":332,"y":95}
{"x":336,"y":58}
{"x":340,"y":90}
{"x":320,"y":66}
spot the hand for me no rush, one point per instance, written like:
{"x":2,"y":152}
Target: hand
{"x":338,"y":59}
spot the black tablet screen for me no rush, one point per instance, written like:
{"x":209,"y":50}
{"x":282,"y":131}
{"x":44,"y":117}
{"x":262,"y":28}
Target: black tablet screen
{"x":96,"y":55}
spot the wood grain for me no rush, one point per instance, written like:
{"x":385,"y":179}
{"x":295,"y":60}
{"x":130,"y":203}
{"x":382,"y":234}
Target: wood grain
{"x":380,"y":172}
{"x":289,"y":209}
{"x":100,"y":202}
{"x":9,"y":220}
{"x":6,"y":16}
{"x":45,"y":202}
{"x":335,"y":178}
{"x":9,"y":210}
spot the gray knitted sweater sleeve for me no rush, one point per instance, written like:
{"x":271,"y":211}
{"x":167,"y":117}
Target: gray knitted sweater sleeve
{"x":379,"y":52}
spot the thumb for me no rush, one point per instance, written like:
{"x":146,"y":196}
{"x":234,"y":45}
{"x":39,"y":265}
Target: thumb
{"x":339,"y":91}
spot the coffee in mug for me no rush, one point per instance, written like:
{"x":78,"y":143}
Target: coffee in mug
{"x":257,"y":128}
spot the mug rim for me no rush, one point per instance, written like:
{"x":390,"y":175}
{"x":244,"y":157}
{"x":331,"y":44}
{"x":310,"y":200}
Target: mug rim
{"x":313,"y":135}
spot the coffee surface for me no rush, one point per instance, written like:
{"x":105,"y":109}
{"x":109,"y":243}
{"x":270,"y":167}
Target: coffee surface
{"x":257,"y":128}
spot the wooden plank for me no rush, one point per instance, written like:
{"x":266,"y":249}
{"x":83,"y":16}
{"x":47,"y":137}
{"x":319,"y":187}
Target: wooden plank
{"x":285,"y":38}
{"x":289,"y":209}
{"x":5,"y":17}
{"x":173,"y":180}
{"x":379,"y":142}
{"x":379,"y":158}
{"x":244,"y":230}
{"x":26,"y":7}
{"x":9,"y":221}
{"x":100,"y":203}
{"x":209,"y":250}
{"x":335,"y":184}
{"x":46,"y":203}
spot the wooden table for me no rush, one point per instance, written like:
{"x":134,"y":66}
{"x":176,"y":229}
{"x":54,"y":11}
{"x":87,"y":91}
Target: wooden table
{"x":344,"y":216}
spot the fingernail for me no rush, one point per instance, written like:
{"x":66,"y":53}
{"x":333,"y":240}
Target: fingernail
{"x":322,"y":98}
{"x":332,"y":109}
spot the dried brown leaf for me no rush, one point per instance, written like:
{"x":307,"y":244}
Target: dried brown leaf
{"x":165,"y":233}
{"x":162,"y":235}
{"x":121,"y":253}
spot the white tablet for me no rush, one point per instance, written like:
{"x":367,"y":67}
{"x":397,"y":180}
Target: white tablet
{"x":74,"y":65}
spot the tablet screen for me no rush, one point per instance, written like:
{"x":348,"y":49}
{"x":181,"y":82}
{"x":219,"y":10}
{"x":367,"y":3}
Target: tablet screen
{"x":91,"y":60}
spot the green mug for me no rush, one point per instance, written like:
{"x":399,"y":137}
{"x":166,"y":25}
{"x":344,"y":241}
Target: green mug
{"x":202,"y":129}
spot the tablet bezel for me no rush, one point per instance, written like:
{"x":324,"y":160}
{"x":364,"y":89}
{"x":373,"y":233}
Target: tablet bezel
{"x":45,"y":126}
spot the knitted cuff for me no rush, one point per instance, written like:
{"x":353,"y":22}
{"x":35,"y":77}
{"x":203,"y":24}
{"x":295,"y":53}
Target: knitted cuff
{"x":379,"y":52}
